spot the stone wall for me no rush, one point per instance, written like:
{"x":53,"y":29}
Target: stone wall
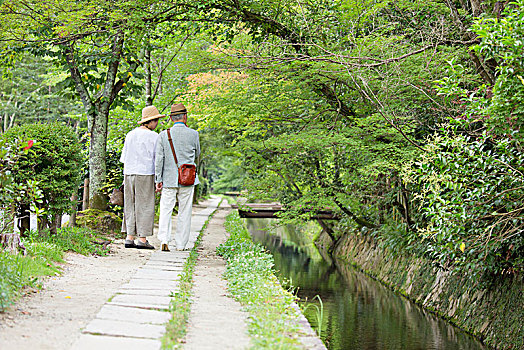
{"x":494,"y":313}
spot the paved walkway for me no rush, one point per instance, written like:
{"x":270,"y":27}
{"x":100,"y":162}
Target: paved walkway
{"x":135,"y":317}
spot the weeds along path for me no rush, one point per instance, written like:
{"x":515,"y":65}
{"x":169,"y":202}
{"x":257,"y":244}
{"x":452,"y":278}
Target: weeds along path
{"x":216,"y":320}
{"x":53,"y":317}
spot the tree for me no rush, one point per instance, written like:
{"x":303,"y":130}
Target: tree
{"x":29,"y":92}
{"x":100,"y":44}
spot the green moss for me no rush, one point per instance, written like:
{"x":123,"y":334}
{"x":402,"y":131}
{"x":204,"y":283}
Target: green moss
{"x":99,"y":220}
{"x":98,"y":202}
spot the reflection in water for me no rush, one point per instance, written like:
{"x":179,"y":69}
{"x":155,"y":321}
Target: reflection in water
{"x":359,"y":312}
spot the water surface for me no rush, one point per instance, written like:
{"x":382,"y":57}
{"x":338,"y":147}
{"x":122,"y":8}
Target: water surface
{"x":358,"y":312}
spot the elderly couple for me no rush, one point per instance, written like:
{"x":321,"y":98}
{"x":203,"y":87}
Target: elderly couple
{"x":149,"y":165}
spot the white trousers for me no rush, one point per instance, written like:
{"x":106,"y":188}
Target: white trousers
{"x":168,"y":200}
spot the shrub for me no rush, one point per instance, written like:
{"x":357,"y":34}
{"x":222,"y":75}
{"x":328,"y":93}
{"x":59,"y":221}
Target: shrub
{"x":54,"y":163}
{"x":470,"y":195}
{"x":12,"y":192}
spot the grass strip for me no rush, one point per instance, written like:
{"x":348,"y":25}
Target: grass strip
{"x":252,"y":282}
{"x":180,"y":306}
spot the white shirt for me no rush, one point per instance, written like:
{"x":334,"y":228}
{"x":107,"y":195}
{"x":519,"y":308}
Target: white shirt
{"x":138,"y":154}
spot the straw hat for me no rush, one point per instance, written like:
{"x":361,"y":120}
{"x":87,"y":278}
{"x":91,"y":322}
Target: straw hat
{"x":150,"y":113}
{"x":178,"y":109}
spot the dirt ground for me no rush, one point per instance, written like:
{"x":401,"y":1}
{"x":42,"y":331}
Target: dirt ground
{"x":216,"y":321}
{"x":53,"y":317}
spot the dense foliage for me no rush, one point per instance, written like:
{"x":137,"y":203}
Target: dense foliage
{"x":469,"y":193}
{"x":11,"y":189}
{"x":54,"y":162}
{"x":326,"y":113}
{"x":404,"y":118}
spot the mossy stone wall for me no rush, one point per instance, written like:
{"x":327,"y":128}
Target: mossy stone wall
{"x":494,"y":313}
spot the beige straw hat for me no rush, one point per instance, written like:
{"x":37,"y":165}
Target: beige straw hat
{"x":150,"y":113}
{"x":178,"y":109}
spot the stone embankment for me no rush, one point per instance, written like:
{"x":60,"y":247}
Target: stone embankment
{"x":492,"y":312}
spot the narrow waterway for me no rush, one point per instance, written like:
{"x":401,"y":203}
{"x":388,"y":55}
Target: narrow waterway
{"x":357,"y":312}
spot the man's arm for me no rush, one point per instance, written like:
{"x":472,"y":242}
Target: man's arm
{"x":197,"y":150}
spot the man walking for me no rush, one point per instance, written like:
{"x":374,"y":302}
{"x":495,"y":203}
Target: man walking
{"x":186,"y":145}
{"x":138,"y":156}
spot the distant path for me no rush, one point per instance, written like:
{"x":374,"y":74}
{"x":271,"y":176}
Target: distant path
{"x":216,"y":320}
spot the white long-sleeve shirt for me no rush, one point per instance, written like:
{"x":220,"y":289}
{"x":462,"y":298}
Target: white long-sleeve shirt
{"x":138,"y":154}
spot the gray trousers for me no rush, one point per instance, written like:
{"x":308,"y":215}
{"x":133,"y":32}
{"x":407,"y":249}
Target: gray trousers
{"x":139,"y":205}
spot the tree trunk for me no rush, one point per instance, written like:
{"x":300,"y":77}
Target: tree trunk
{"x":149,"y":84}
{"x":56,"y":223}
{"x":74,"y":208}
{"x":97,"y":160}
{"x":85,"y":195}
{"x":42,"y":223}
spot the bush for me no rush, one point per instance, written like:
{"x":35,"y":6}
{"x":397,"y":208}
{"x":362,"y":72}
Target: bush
{"x":470,"y":196}
{"x":11,"y":191}
{"x":54,"y":162}
{"x":502,"y":40}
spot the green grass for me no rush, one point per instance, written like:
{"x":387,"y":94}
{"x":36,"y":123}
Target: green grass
{"x":44,"y":252}
{"x":252,"y":282}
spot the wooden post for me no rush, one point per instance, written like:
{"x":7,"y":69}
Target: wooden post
{"x":85,"y":198}
{"x":72,"y":218}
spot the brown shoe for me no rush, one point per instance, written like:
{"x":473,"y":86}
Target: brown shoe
{"x":165,"y":248}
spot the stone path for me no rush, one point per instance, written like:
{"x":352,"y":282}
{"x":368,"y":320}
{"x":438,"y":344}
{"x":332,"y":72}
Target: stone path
{"x":135,"y":317}
{"x":134,"y":288}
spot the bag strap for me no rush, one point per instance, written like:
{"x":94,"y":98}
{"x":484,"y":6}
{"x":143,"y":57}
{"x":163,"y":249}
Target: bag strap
{"x":172,"y":147}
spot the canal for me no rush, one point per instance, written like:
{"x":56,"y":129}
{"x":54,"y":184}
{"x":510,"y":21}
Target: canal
{"x":357,"y":311}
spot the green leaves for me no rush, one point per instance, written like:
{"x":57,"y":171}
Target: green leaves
{"x":502,"y":40}
{"x":53,"y":162}
{"x":470,"y":195}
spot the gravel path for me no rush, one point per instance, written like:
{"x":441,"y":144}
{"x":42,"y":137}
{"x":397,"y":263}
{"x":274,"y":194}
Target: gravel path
{"x":216,"y":321}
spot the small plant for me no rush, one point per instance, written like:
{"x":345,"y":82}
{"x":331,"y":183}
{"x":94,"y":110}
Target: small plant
{"x":319,"y":312}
